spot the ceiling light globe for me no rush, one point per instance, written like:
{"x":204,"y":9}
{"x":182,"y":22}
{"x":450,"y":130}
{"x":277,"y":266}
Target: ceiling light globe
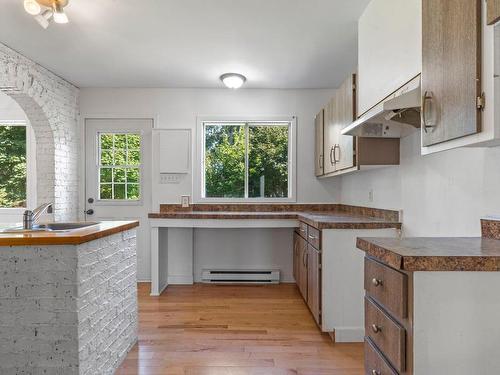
{"x":233,"y":80}
{"x":32,"y":7}
{"x":60,"y":18}
{"x":59,"y":15}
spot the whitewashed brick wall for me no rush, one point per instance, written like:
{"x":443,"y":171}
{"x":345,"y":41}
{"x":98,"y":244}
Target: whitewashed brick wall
{"x":51,"y":105}
{"x":68,"y":310}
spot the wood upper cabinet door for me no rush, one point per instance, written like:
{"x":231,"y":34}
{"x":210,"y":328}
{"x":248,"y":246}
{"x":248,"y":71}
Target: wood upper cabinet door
{"x":302,"y":269}
{"x":331,"y":135}
{"x":319,"y":154}
{"x":493,"y":11}
{"x":451,"y":69}
{"x":346,"y":101}
{"x":314,"y":282}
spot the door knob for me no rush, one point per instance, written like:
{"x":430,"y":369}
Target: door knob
{"x":89,"y":212}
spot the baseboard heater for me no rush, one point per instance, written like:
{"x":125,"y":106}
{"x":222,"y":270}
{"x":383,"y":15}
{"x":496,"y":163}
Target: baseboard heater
{"x":240,"y":276}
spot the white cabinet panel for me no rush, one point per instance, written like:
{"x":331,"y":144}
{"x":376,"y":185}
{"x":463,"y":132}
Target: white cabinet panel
{"x":389,"y":49}
{"x":174,"y":150}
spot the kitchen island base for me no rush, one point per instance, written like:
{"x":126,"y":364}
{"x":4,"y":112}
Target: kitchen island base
{"x":68,"y":309}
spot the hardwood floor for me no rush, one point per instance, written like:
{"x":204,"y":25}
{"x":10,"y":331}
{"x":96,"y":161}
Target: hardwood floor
{"x":234,"y":330}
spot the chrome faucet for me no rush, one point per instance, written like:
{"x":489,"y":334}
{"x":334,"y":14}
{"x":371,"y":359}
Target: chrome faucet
{"x":31,"y":217}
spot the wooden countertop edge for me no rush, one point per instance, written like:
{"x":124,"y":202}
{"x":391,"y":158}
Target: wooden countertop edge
{"x":68,"y":240}
{"x":429,"y":263}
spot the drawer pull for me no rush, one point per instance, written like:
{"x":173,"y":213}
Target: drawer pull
{"x":312,"y":237}
{"x":375,"y":372}
{"x":376,"y":282}
{"x":376,"y":328}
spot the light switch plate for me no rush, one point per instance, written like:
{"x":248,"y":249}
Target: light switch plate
{"x":170,"y":178}
{"x":185,"y":201}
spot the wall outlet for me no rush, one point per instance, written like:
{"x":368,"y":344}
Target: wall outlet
{"x":185,"y":201}
{"x":370,"y":196}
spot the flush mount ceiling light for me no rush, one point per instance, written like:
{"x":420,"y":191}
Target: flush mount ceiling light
{"x":233,"y":80}
{"x":46,"y":11}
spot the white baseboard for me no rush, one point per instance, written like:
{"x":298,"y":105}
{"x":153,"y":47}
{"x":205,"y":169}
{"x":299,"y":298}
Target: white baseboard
{"x":349,"y":334}
{"x":180,"y":279}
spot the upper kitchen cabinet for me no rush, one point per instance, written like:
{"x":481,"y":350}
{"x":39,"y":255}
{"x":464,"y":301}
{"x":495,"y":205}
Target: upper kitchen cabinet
{"x":340,"y":112}
{"x":493,"y":11}
{"x":461,"y":66}
{"x":319,"y":158}
{"x":389,"y":49}
{"x":451,"y":70}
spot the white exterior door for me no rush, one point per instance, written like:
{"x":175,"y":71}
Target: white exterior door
{"x":118,"y":177}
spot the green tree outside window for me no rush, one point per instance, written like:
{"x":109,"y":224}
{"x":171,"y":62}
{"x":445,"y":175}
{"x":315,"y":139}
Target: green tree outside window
{"x":12,"y":166}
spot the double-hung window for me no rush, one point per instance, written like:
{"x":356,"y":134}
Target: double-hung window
{"x":246,"y":161}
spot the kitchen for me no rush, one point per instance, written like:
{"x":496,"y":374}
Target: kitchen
{"x":316,"y":224}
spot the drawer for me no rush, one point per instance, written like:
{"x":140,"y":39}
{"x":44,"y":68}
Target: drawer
{"x":314,"y":237}
{"x":302,"y":230}
{"x":388,"y":287}
{"x":386,"y":334}
{"x":375,"y":364}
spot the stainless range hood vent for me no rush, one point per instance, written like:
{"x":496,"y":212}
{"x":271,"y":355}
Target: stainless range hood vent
{"x":396,"y":117}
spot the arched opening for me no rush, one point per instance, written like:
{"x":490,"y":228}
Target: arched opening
{"x":40,"y":168}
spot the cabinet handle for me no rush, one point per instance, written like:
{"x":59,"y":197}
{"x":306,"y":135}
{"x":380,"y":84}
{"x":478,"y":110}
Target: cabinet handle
{"x":320,"y":161}
{"x":304,"y":259}
{"x":312,"y":237}
{"x":376,"y":282}
{"x":375,"y":372}
{"x":428,"y":95}
{"x":332,"y":151}
{"x":376,"y":328}
{"x":336,"y":147}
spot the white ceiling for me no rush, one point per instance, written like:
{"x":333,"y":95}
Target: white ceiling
{"x":190,"y":43}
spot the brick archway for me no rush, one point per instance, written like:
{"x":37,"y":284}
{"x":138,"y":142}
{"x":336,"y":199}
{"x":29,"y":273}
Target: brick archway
{"x":51,"y":105}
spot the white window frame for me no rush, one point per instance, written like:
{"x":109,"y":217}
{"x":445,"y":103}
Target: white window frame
{"x":12,"y":214}
{"x":199,"y":168}
{"x":118,"y":202}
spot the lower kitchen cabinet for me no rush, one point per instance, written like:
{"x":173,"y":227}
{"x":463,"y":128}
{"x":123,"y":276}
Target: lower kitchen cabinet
{"x":307,"y":268}
{"x":314,"y":282}
{"x":329,"y":274}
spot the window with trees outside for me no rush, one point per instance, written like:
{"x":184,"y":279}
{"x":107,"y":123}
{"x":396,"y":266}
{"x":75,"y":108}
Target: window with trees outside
{"x":119,"y":166}
{"x":13,"y":186}
{"x":246,"y":160}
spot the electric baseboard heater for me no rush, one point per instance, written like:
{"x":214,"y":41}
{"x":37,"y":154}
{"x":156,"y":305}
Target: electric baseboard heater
{"x":217,"y":276}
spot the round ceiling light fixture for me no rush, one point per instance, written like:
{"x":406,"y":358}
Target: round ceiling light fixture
{"x":32,"y":7}
{"x":233,"y":80}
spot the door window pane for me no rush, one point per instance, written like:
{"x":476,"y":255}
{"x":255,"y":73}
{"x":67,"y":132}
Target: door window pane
{"x":119,"y":166}
{"x":12,"y":166}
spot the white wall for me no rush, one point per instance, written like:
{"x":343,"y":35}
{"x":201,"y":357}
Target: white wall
{"x":179,"y":108}
{"x":443,"y":194}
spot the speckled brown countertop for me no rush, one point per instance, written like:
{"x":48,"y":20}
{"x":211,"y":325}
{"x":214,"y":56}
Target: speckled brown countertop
{"x":72,"y":237}
{"x":439,"y":253}
{"x":326,"y":216}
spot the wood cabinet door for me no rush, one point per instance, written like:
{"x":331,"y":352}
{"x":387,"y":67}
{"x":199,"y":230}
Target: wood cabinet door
{"x":314,"y":282}
{"x":302,"y":269}
{"x":330,"y":135}
{"x":319,"y":156}
{"x":493,"y":11}
{"x":296,"y":257}
{"x":344,"y":152}
{"x":451,"y":69}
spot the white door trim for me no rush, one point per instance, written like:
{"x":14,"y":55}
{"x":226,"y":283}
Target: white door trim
{"x":82,"y":150}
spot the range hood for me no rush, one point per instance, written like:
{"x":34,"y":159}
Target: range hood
{"x":396,"y":117}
